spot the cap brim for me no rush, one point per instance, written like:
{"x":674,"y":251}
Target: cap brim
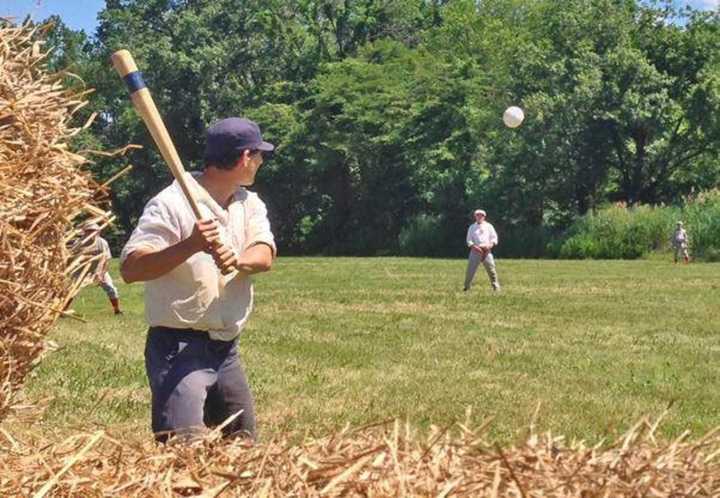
{"x":266,"y":147}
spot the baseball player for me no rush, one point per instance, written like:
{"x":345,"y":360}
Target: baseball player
{"x":98,"y":247}
{"x":481,"y":238}
{"x":194,"y":307}
{"x":680,"y":243}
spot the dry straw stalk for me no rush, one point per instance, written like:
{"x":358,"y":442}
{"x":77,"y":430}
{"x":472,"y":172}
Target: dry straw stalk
{"x":43,"y":190}
{"x":385,"y":460}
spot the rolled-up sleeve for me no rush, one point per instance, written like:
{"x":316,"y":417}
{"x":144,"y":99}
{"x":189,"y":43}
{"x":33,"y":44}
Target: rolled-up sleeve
{"x":107,"y":254}
{"x":258,"y":225}
{"x":493,"y":236}
{"x":157,"y":229}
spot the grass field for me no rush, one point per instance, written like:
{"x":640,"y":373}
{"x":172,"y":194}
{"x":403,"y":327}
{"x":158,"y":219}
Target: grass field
{"x":349,"y":340}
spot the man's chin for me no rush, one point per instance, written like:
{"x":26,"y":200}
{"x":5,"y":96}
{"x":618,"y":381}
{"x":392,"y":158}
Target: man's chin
{"x":248,"y":182}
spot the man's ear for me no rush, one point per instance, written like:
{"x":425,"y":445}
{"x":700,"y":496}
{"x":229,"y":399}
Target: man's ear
{"x":243,"y":159}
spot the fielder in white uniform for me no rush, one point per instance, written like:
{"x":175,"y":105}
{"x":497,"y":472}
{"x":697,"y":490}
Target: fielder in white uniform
{"x":680,"y":243}
{"x":481,"y":238}
{"x":97,"y":246}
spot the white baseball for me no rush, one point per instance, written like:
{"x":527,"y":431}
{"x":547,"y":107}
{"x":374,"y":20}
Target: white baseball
{"x":513,"y":117}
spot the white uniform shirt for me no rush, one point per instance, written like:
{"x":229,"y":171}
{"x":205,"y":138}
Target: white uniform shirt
{"x":98,"y":249}
{"x":481,"y":233}
{"x":680,"y":236}
{"x":97,"y":246}
{"x":103,"y":248}
{"x":195,"y":294}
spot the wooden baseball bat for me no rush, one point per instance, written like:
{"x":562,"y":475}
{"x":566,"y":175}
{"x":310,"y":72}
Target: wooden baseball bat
{"x":145,"y":106}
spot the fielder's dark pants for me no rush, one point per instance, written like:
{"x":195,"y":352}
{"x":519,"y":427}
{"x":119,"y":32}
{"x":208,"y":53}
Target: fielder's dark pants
{"x":196,"y":382}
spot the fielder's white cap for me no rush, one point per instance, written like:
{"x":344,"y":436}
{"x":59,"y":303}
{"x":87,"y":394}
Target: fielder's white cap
{"x":679,"y":223}
{"x":480,"y":211}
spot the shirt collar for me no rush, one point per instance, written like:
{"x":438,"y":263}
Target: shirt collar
{"x":205,"y":198}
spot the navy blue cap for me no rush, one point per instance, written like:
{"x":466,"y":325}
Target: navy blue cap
{"x":234,"y":135}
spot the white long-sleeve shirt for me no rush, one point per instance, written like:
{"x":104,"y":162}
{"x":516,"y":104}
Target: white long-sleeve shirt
{"x":680,"y":236}
{"x":97,"y":247}
{"x":195,"y":295}
{"x":481,"y":233}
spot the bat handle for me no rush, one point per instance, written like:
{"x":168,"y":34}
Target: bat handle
{"x":125,"y":66}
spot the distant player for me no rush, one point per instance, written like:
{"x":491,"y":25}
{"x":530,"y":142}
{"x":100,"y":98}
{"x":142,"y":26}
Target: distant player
{"x":680,"y":243}
{"x":481,"y":238}
{"x":99,"y":247}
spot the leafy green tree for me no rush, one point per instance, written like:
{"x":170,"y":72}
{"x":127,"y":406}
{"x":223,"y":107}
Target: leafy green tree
{"x":616,"y":91}
{"x":208,"y":59}
{"x":387,"y":112}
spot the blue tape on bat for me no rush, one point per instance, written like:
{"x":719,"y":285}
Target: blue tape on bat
{"x":134,"y":81}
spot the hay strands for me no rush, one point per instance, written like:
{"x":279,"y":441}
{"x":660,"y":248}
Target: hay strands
{"x":378,"y":461}
{"x":43,"y":189}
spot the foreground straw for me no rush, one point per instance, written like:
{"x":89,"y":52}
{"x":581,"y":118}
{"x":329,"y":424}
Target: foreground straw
{"x":43,"y":190}
{"x":386,"y":460}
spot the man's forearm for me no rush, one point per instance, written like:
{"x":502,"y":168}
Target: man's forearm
{"x":255,"y":259}
{"x":143,"y":265}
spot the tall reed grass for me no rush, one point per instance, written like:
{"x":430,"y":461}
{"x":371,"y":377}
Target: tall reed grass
{"x":620,"y":232}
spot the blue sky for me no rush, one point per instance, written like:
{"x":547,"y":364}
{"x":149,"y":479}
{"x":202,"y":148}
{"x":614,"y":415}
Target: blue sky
{"x":77,"y":14}
{"x":702,"y":4}
{"x":82,"y":14}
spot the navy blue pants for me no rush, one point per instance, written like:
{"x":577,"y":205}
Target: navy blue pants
{"x":196,"y":382}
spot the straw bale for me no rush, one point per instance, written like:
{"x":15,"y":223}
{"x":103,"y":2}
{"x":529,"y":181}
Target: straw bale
{"x":43,"y":190}
{"x":386,"y":460}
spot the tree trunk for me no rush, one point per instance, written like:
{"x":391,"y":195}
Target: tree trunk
{"x":636,"y":187}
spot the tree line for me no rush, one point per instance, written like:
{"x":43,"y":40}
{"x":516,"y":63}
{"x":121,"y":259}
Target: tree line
{"x":387,"y":113}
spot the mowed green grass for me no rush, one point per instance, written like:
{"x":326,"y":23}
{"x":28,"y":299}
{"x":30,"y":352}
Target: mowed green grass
{"x":334,"y":341}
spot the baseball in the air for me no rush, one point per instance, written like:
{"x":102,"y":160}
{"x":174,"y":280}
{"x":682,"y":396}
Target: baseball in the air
{"x":513,"y":117}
